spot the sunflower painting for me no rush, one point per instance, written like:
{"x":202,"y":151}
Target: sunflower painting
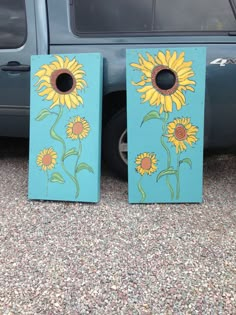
{"x":65,"y":127}
{"x":60,"y":82}
{"x":165,"y":78}
{"x":146,"y":164}
{"x":180,"y":133}
{"x":165,"y":110}
{"x":46,"y":159}
{"x":77,"y":128}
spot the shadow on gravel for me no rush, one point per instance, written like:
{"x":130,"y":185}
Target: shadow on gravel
{"x":13,"y":147}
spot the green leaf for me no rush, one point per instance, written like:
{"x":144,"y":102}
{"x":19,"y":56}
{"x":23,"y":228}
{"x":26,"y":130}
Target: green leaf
{"x":57,"y":178}
{"x":55,"y":136}
{"x":43,"y":114}
{"x":84,"y":166}
{"x":142,"y":192}
{"x":169,"y":171}
{"x":69,"y":153}
{"x":151,"y":115}
{"x":187,"y":161}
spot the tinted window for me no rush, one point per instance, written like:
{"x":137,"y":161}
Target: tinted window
{"x":12,"y":23}
{"x":194,"y":15}
{"x":130,"y":16}
{"x":113,"y":16}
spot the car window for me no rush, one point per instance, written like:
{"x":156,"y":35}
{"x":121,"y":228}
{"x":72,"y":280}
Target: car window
{"x":113,"y":16}
{"x":192,"y":15}
{"x":152,"y":16}
{"x":12,"y":23}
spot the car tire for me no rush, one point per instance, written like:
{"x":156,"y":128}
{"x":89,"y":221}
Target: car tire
{"x":115,"y":151}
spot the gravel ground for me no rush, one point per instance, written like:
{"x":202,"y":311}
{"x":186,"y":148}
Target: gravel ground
{"x":116,"y":258}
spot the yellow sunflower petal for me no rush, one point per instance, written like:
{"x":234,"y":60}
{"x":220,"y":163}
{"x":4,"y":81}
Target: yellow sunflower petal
{"x":180,"y":96}
{"x":74,"y":98}
{"x":80,"y":99}
{"x":161,"y":59}
{"x":66,"y":62}
{"x":168,"y":55}
{"x":151,"y":59}
{"x":155,"y":98}
{"x":148,"y":95}
{"x":49,"y":69}
{"x":71,"y":64}
{"x":177,"y":102}
{"x":43,"y":84}
{"x":145,"y":88}
{"x":50,"y":95}
{"x":68,"y":101}
{"x":188,"y":82}
{"x":172,"y":59}
{"x":184,"y":65}
{"x":185,"y":76}
{"x":40,"y":73}
{"x":56,"y":64}
{"x":179,"y":61}
{"x":56,"y":101}
{"x":60,"y":60}
{"x":45,"y":78}
{"x":190,"y":88}
{"x":45,"y":91}
{"x":168,"y":103}
{"x":148,"y":65}
{"x":62,"y":98}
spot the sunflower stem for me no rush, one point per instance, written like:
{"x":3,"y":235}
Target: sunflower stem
{"x":141,"y":190}
{"x":75,"y":170}
{"x":56,"y":137}
{"x":168,"y":154}
{"x":177,"y":178}
{"x":47,"y":183}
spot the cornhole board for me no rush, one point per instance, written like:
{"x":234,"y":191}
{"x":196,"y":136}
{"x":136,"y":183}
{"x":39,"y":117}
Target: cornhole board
{"x":65,"y":127}
{"x":165,"y":113}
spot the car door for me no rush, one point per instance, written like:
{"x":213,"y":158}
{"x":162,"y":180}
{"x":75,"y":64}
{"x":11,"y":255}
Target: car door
{"x":17,"y":44}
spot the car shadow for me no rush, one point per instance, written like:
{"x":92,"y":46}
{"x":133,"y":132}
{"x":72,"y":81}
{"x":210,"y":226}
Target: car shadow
{"x":13,"y":147}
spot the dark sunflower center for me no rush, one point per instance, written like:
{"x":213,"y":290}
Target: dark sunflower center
{"x":165,"y":79}
{"x":64,"y":82}
{"x":180,"y":133}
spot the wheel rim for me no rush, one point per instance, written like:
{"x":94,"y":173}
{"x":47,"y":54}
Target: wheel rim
{"x":123,"y":149}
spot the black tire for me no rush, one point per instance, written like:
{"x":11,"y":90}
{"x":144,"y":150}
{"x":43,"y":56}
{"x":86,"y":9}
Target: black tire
{"x":114,"y":141}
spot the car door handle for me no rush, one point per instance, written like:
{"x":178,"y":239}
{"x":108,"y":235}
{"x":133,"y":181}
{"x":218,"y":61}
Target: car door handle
{"x":15,"y":66}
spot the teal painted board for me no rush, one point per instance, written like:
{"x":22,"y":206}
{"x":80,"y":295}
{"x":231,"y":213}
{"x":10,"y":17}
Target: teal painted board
{"x":165,"y":116}
{"x":65,"y":127}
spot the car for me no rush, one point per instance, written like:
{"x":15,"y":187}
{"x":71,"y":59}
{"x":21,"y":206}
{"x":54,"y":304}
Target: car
{"x":31,"y":27}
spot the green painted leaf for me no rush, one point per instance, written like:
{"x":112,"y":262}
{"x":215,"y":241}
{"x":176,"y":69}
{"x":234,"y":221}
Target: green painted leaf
{"x":169,"y":171}
{"x":84,"y":166}
{"x":187,"y":161}
{"x":151,"y":115}
{"x":43,"y":114}
{"x":57,"y":178}
{"x":55,"y":136}
{"x":69,"y":153}
{"x":142,"y":192}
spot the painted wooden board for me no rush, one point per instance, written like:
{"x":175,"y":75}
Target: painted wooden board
{"x":165,"y":112}
{"x":65,"y":127}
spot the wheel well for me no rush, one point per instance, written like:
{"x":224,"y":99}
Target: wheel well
{"x":112,"y":103}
